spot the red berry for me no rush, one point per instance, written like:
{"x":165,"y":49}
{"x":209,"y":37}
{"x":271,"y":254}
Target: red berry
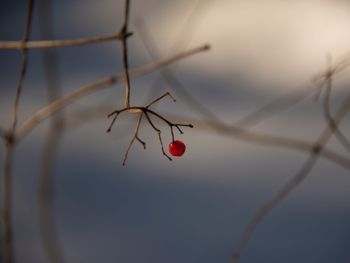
{"x":177,"y":148}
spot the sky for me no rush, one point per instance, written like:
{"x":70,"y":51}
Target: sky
{"x":194,"y":208}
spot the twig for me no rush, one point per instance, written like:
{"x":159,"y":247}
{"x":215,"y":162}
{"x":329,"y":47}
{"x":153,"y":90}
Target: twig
{"x":158,"y":131}
{"x":57,"y":105}
{"x":159,"y":98}
{"x":125,"y":54}
{"x":8,"y":253}
{"x":292,"y":184}
{"x":138,"y":127}
{"x":62,"y":43}
{"x":147,"y":112}
{"x":135,"y":137}
{"x":23,"y":63}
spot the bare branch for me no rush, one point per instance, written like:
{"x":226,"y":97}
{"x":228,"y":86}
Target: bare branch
{"x":62,"y":43}
{"x":125,"y":55}
{"x":159,"y":136}
{"x":57,"y":105}
{"x":23,"y":63}
{"x":8,"y":253}
{"x":159,"y":98}
{"x":146,"y":111}
{"x":135,"y":137}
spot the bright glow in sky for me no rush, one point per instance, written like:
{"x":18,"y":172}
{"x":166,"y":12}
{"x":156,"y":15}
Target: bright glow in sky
{"x":270,"y":42}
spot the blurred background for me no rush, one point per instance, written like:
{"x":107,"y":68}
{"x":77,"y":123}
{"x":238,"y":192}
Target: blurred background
{"x":194,"y":208}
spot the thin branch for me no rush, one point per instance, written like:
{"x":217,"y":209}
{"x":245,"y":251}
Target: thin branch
{"x":293,"y":183}
{"x":23,"y":63}
{"x":146,"y":111}
{"x":135,"y":137}
{"x":268,"y":206}
{"x":62,"y":43}
{"x":159,"y":136}
{"x":59,"y":104}
{"x":161,"y":97}
{"x":8,"y":253}
{"x":125,"y":54}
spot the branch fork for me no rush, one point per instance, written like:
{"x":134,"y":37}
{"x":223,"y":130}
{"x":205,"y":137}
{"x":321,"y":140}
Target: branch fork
{"x":147,"y":112}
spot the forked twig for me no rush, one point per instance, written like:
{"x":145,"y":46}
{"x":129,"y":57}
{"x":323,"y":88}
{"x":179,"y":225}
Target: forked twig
{"x":147,"y":112}
{"x":135,"y":137}
{"x":158,"y":131}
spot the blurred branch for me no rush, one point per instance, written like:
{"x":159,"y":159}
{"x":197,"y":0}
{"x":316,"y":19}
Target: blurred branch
{"x":327,"y":109}
{"x":57,"y":105}
{"x":293,"y":183}
{"x":8,"y":253}
{"x":274,"y":107}
{"x":23,"y":63}
{"x":62,"y":43}
{"x":8,"y":250}
{"x":46,"y":213}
